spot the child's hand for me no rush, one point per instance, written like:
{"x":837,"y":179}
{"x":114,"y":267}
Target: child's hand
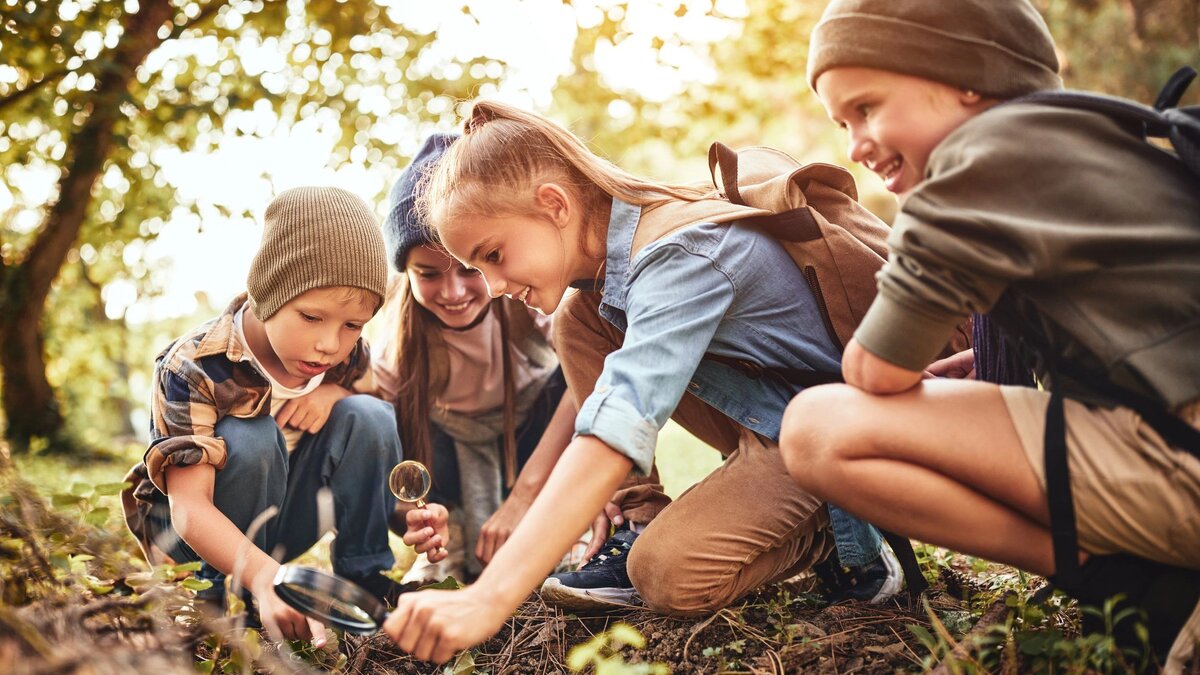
{"x":310,"y":412}
{"x":610,"y":514}
{"x":282,"y":622}
{"x":500,"y":527}
{"x":960,"y":366}
{"x":428,"y":531}
{"x":434,"y":625}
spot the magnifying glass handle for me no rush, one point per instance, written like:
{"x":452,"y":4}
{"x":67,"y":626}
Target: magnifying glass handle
{"x":429,"y":523}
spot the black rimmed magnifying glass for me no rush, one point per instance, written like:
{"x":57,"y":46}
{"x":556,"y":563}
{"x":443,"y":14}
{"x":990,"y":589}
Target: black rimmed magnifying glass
{"x":340,"y":603}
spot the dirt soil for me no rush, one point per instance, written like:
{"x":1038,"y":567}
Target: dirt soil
{"x":784,"y":628}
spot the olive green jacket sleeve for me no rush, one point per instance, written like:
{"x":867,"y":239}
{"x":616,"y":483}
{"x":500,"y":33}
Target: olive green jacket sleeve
{"x":1077,"y":216}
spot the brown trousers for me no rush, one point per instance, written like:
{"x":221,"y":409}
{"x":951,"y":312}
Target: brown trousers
{"x":744,"y":525}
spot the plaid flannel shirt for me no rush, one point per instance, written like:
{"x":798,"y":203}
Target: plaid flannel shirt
{"x":200,"y":379}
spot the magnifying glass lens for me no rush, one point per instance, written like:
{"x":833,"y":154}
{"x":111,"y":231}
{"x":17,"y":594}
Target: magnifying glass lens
{"x":410,"y":481}
{"x":336,"y":602}
{"x":328,"y":607}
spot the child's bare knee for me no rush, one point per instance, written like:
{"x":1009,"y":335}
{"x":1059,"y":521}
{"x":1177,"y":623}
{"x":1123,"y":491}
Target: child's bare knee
{"x":817,"y":425}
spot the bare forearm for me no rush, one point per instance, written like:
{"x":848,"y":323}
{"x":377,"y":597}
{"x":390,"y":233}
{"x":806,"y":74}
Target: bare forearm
{"x":221,"y":544}
{"x":582,"y":481}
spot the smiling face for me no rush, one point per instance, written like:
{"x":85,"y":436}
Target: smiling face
{"x":455,"y":294}
{"x":311,"y":333}
{"x":894,"y":121}
{"x":530,"y":258}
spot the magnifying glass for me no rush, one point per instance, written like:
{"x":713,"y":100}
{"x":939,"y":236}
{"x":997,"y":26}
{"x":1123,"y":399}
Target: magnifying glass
{"x":340,"y":603}
{"x":410,"y":482}
{"x":330,"y":599}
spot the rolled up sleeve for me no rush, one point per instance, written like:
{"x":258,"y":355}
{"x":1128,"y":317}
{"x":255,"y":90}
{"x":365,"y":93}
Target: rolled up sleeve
{"x":184,"y":413}
{"x":676,"y":300}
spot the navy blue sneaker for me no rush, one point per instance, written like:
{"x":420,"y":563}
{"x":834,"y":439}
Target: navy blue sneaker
{"x":602,"y":582}
{"x":873,"y":583}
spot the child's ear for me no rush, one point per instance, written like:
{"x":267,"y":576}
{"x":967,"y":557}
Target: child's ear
{"x":553,"y":202}
{"x":969,"y":97}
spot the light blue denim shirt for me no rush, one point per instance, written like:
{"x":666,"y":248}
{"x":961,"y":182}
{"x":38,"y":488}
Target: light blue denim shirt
{"x":728,"y":290}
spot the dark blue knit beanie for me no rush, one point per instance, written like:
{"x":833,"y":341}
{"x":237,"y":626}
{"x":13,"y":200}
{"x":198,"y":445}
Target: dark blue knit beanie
{"x":404,"y":228}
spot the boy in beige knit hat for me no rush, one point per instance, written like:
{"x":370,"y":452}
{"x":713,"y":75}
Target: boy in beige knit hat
{"x":253,"y":412}
{"x":1080,"y":242}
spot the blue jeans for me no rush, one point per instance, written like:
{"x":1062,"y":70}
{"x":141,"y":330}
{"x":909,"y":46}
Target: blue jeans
{"x":351,"y":456}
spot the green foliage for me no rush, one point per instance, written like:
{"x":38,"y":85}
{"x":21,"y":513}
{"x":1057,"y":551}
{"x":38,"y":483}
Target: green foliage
{"x":50,"y":546}
{"x":729,"y":655}
{"x":1124,"y":48}
{"x":603,"y":653}
{"x":225,"y":68}
{"x":1029,"y":637}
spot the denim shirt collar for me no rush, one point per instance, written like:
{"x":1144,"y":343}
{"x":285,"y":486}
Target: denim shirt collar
{"x":622,"y":223}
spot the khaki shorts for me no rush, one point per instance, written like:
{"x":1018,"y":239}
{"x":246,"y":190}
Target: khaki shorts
{"x":1133,"y":493}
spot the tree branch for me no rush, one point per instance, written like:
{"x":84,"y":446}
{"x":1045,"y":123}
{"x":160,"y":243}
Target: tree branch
{"x":15,"y":98}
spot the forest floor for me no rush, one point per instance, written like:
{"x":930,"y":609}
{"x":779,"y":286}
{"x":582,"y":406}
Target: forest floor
{"x":76,"y":598}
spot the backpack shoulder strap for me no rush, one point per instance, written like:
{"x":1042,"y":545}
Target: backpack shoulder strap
{"x":1181,"y":126}
{"x":662,"y":219}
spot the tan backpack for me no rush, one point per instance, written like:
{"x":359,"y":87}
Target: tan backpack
{"x":811,"y":209}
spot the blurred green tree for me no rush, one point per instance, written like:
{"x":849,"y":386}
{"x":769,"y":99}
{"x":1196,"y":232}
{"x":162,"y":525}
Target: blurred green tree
{"x":91,"y":90}
{"x":1124,"y":47}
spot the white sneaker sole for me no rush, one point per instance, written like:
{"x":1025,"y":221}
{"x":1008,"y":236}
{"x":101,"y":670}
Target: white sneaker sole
{"x":553,"y":592}
{"x":895,"y":578}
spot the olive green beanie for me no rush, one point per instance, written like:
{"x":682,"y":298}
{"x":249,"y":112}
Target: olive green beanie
{"x":315,"y":237}
{"x":997,"y":48}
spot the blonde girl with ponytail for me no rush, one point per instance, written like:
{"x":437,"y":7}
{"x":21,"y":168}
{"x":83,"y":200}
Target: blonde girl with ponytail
{"x":550,"y":224}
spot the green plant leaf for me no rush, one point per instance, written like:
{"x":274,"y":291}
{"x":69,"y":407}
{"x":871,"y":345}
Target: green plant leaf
{"x":61,"y":500}
{"x":926,"y":638}
{"x":105,"y":489}
{"x":464,"y":664}
{"x":582,"y":655}
{"x":96,"y":586}
{"x":447,"y":584}
{"x":624,"y":634}
{"x":194,"y":584}
{"x":97,"y":517}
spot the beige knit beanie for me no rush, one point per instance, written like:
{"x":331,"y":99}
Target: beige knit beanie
{"x":315,"y":237}
{"x":997,"y":48}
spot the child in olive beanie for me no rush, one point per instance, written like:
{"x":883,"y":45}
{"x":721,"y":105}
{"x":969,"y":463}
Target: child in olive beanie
{"x":255,"y":412}
{"x":1078,"y":241}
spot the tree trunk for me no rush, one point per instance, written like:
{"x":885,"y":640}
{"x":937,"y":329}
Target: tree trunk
{"x":29,"y":403}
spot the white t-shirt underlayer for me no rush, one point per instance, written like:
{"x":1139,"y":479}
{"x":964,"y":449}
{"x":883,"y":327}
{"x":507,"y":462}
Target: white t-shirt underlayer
{"x":279,"y":393}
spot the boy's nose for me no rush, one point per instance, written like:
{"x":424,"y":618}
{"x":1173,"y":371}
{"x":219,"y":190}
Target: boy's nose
{"x":860,"y":147}
{"x":328,"y":344}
